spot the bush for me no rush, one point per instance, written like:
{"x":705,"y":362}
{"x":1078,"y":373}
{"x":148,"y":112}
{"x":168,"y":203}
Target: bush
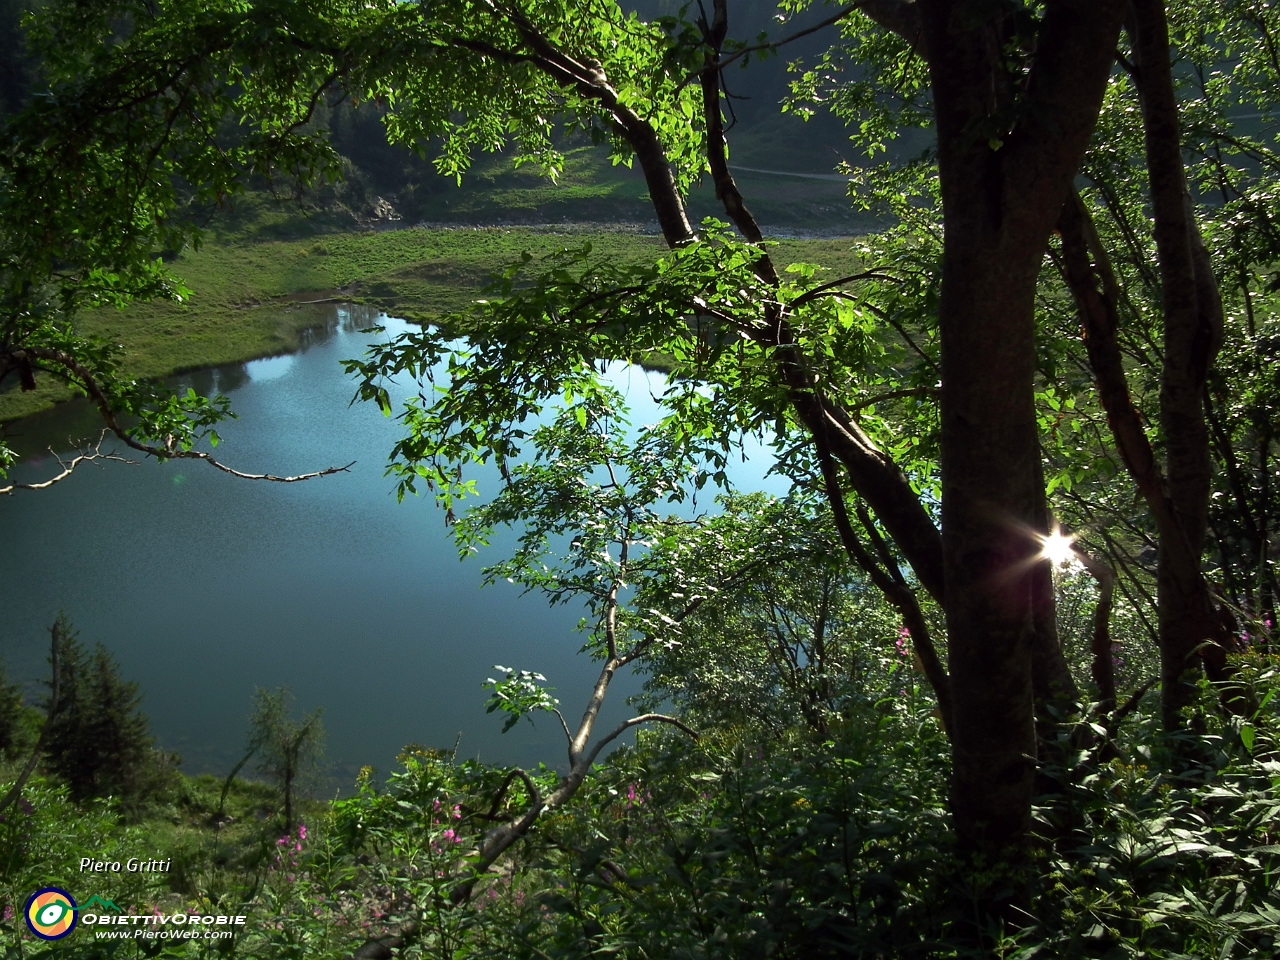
{"x":42,"y":838}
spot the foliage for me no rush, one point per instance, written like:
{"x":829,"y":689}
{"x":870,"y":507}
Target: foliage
{"x":797,"y":644}
{"x":519,"y":694}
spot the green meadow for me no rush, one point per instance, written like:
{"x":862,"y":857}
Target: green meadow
{"x":249,"y":299}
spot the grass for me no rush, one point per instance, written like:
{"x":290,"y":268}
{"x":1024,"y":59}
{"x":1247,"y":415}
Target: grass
{"x":248,"y":299}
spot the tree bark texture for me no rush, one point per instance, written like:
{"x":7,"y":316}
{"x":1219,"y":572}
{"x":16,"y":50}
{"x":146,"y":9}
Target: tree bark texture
{"x":1002,"y":188}
{"x":1192,"y":335}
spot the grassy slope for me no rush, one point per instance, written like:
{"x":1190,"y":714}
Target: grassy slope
{"x":244,"y":301}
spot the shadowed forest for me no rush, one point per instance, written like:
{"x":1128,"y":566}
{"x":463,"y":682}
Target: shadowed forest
{"x":992,"y":283}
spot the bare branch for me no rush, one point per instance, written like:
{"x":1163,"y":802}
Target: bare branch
{"x":89,"y":384}
{"x":895,"y":395}
{"x":578,"y":742}
{"x":68,"y":467}
{"x":534,"y":796}
{"x":564,"y":724}
{"x":889,"y":582}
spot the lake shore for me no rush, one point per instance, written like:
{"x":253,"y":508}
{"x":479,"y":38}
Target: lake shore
{"x":250,"y":300}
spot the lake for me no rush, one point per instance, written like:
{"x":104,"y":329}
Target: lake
{"x":204,"y":586}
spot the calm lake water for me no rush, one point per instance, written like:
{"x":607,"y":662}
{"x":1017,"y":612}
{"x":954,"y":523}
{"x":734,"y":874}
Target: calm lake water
{"x":205,"y":587}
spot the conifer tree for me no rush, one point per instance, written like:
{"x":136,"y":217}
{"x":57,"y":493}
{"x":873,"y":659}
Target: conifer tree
{"x":11,"y":708}
{"x":100,"y":743}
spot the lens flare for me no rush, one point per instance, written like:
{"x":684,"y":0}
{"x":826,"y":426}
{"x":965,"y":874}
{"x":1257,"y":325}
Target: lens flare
{"x":1059,"y":549}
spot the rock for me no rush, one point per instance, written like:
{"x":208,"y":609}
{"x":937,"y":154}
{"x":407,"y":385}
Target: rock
{"x":383,"y":210}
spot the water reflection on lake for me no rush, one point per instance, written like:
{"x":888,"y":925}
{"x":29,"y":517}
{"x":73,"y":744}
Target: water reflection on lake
{"x":205,"y":586}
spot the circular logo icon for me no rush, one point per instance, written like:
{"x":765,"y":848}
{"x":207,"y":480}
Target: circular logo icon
{"x":51,"y":913}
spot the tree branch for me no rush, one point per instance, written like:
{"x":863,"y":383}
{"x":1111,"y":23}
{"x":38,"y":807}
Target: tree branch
{"x":1101,"y":669}
{"x":893,"y":587}
{"x":775,"y":44}
{"x":534,"y":796}
{"x":819,"y":290}
{"x":86,"y":381}
{"x":896,"y":395}
{"x":68,"y":467}
{"x":901,"y":17}
{"x":626,"y":725}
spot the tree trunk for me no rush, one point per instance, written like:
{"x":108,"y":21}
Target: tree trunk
{"x":1192,"y":334}
{"x":1002,"y":188}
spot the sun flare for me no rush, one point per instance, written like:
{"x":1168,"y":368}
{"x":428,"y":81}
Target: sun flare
{"x":1058,"y":548}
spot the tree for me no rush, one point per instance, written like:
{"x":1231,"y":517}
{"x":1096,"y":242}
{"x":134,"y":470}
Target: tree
{"x":99,"y":740}
{"x":11,"y":713}
{"x":289,"y":751}
{"x":1002,"y":189}
{"x":799,"y":642}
